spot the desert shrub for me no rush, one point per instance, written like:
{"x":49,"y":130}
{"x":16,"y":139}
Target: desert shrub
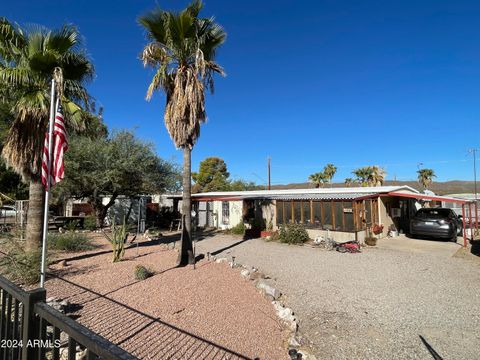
{"x":90,"y":223}
{"x":69,"y":242}
{"x":274,"y":237}
{"x":18,"y":265}
{"x":118,"y":240}
{"x":238,"y":229}
{"x":71,"y":225}
{"x":142,"y":273}
{"x":293,"y":234}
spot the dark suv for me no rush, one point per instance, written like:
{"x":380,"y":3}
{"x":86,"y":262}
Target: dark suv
{"x":436,"y":223}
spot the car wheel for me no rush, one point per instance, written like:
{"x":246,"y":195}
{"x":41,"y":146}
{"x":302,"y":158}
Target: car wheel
{"x":454,"y":237}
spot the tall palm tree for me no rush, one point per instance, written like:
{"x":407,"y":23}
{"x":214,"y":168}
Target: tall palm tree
{"x":318,"y":179}
{"x":377,"y":175}
{"x":363,"y":175}
{"x":182,"y":50}
{"x":329,"y":170}
{"x":28,"y":59}
{"x":349,"y":182}
{"x":425,"y":177}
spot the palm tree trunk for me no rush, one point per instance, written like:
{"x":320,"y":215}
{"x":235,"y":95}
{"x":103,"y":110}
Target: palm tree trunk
{"x":33,"y":235}
{"x":185,"y":254}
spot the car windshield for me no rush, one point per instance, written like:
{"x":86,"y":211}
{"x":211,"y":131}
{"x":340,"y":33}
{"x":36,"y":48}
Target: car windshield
{"x":432,"y":213}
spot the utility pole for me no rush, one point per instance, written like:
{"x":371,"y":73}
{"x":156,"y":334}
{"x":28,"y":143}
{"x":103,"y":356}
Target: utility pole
{"x":269,"y":183}
{"x":474,"y":152}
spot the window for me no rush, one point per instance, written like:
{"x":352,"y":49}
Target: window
{"x":338,"y":215}
{"x":368,"y":212}
{"x":317,"y":213}
{"x":288,"y":211}
{"x":297,"y":208}
{"x":225,"y":212}
{"x":306,"y":212}
{"x":348,"y":216}
{"x":327,"y":216}
{"x":280,"y":215}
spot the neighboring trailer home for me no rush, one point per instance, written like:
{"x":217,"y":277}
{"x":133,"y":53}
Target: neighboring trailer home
{"x":341,"y":213}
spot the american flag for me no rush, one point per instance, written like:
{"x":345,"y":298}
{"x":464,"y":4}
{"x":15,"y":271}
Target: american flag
{"x":60,"y":146}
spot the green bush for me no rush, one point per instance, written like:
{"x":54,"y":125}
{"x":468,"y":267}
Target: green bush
{"x":69,"y":242}
{"x":90,"y":223}
{"x":142,"y":273}
{"x":18,"y":265}
{"x":293,"y":234}
{"x":71,"y":226}
{"x":238,"y":229}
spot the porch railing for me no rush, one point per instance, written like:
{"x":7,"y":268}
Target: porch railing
{"x":31,"y":329}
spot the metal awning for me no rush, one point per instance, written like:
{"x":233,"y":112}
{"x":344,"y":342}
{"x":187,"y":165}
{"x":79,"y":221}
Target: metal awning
{"x":430,"y":197}
{"x":330,"y":196}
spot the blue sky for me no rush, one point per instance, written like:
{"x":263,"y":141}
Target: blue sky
{"x":354,"y":83}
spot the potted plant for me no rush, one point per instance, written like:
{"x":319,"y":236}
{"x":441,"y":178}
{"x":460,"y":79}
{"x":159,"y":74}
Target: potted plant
{"x":268,"y":231}
{"x":371,"y":240}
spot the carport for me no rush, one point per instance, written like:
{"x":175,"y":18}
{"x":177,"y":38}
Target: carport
{"x":468,"y":206}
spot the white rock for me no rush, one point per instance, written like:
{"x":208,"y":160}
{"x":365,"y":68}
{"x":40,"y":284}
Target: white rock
{"x":307,"y":356}
{"x":269,"y":290}
{"x":293,"y":342}
{"x":245,"y":273}
{"x":221,"y":260}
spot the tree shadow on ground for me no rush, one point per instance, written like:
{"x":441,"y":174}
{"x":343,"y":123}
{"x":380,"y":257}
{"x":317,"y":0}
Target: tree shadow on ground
{"x":430,"y":349}
{"x":216,"y":252}
{"x":137,"y":332}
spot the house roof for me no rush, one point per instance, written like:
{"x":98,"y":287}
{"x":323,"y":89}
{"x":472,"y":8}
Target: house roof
{"x":346,"y":193}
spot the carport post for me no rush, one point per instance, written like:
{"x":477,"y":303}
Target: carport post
{"x":464,"y":225}
{"x":476,"y":215}
{"x":470,"y":219}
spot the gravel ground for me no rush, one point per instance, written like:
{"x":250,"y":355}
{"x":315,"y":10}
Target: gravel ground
{"x":373,"y":305}
{"x":210,"y":312}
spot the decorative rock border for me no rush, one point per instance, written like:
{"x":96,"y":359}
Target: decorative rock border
{"x":285,"y":314}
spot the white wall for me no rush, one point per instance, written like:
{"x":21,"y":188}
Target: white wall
{"x":236,"y":210}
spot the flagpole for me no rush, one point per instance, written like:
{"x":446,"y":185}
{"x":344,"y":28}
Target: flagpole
{"x":47,"y":189}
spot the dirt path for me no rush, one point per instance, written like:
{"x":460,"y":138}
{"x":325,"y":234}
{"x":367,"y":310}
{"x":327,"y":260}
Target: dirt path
{"x":373,"y":305}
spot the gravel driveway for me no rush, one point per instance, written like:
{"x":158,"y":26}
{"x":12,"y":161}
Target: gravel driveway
{"x":373,"y":305}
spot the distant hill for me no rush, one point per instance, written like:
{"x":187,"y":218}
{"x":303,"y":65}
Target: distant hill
{"x":440,"y":188}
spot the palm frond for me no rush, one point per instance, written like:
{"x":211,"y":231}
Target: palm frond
{"x":155,"y":23}
{"x":63,"y":40}
{"x":11,"y":40}
{"x":17,"y":76}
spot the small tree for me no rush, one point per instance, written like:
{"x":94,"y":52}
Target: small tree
{"x":212,"y":176}
{"x":118,"y":165}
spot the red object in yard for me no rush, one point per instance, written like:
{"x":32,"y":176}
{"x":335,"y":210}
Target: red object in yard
{"x":377,"y":229}
{"x":266,"y":233}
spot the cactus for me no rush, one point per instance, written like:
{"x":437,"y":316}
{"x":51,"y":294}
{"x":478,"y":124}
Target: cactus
{"x":119,"y":234}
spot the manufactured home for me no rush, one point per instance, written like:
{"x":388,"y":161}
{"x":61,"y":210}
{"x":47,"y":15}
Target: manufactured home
{"x":341,"y":213}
